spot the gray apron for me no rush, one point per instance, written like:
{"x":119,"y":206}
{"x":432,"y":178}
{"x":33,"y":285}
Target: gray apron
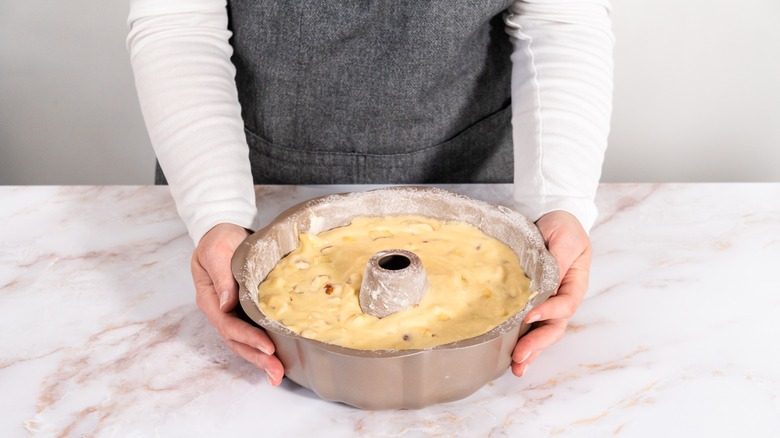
{"x":374,"y":91}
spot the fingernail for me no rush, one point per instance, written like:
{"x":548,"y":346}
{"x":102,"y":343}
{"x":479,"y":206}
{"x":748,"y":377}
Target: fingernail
{"x":533,"y":318}
{"x":270,"y":378}
{"x":263,"y":349}
{"x":525,"y":357}
{"x":523,"y":369}
{"x":224,"y":296}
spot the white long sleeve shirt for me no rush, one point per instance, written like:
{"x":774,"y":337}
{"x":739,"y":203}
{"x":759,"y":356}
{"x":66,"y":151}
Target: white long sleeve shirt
{"x":561,"y":106}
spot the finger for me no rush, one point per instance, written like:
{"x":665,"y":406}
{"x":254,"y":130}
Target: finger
{"x":539,"y":338}
{"x":218,"y":274}
{"x":248,"y":341}
{"x":565,"y":239}
{"x":564,"y":246}
{"x":564,"y":304}
{"x":234,"y":329}
{"x":563,"y":255}
{"x":519,"y":369}
{"x":270,"y":364}
{"x":561,"y":306}
{"x":229,"y":326}
{"x":226,"y":288}
{"x":205,"y":294}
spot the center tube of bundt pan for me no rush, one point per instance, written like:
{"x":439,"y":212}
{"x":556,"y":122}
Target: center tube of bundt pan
{"x":394,"y":280}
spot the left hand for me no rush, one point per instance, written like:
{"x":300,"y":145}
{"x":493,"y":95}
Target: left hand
{"x":217,"y":296}
{"x":569,"y":244}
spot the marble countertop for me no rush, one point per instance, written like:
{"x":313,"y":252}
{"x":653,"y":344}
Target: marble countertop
{"x":678,"y":336}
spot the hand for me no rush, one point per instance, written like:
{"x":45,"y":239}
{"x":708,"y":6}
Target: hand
{"x":569,"y":244}
{"x":217,"y":294}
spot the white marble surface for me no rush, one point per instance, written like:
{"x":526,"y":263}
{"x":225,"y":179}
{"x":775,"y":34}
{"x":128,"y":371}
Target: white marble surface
{"x":679,"y":335}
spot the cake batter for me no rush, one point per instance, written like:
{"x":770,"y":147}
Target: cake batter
{"x":476,"y":283}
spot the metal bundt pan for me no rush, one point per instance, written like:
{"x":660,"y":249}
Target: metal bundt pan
{"x":393,"y":379}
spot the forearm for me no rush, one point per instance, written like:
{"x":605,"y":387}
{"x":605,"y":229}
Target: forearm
{"x":180,"y":55}
{"x":562,"y":103}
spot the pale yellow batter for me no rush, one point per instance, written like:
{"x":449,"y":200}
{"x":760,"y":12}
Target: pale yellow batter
{"x":476,"y":283}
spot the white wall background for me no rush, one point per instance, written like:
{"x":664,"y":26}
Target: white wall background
{"x":697,"y":93}
{"x":68,"y":110}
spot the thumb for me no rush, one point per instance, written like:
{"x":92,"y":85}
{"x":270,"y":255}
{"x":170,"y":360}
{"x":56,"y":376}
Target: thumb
{"x":215,"y":253}
{"x":226,"y":287}
{"x":562,"y":254}
{"x":563,"y":235}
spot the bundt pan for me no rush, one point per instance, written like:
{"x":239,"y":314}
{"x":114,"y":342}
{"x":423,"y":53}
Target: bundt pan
{"x":393,"y":379}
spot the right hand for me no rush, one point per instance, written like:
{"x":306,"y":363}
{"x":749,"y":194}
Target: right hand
{"x":217,"y":295}
{"x":569,"y":244}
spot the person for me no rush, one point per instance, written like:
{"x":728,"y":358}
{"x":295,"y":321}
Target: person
{"x":361,"y":91}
